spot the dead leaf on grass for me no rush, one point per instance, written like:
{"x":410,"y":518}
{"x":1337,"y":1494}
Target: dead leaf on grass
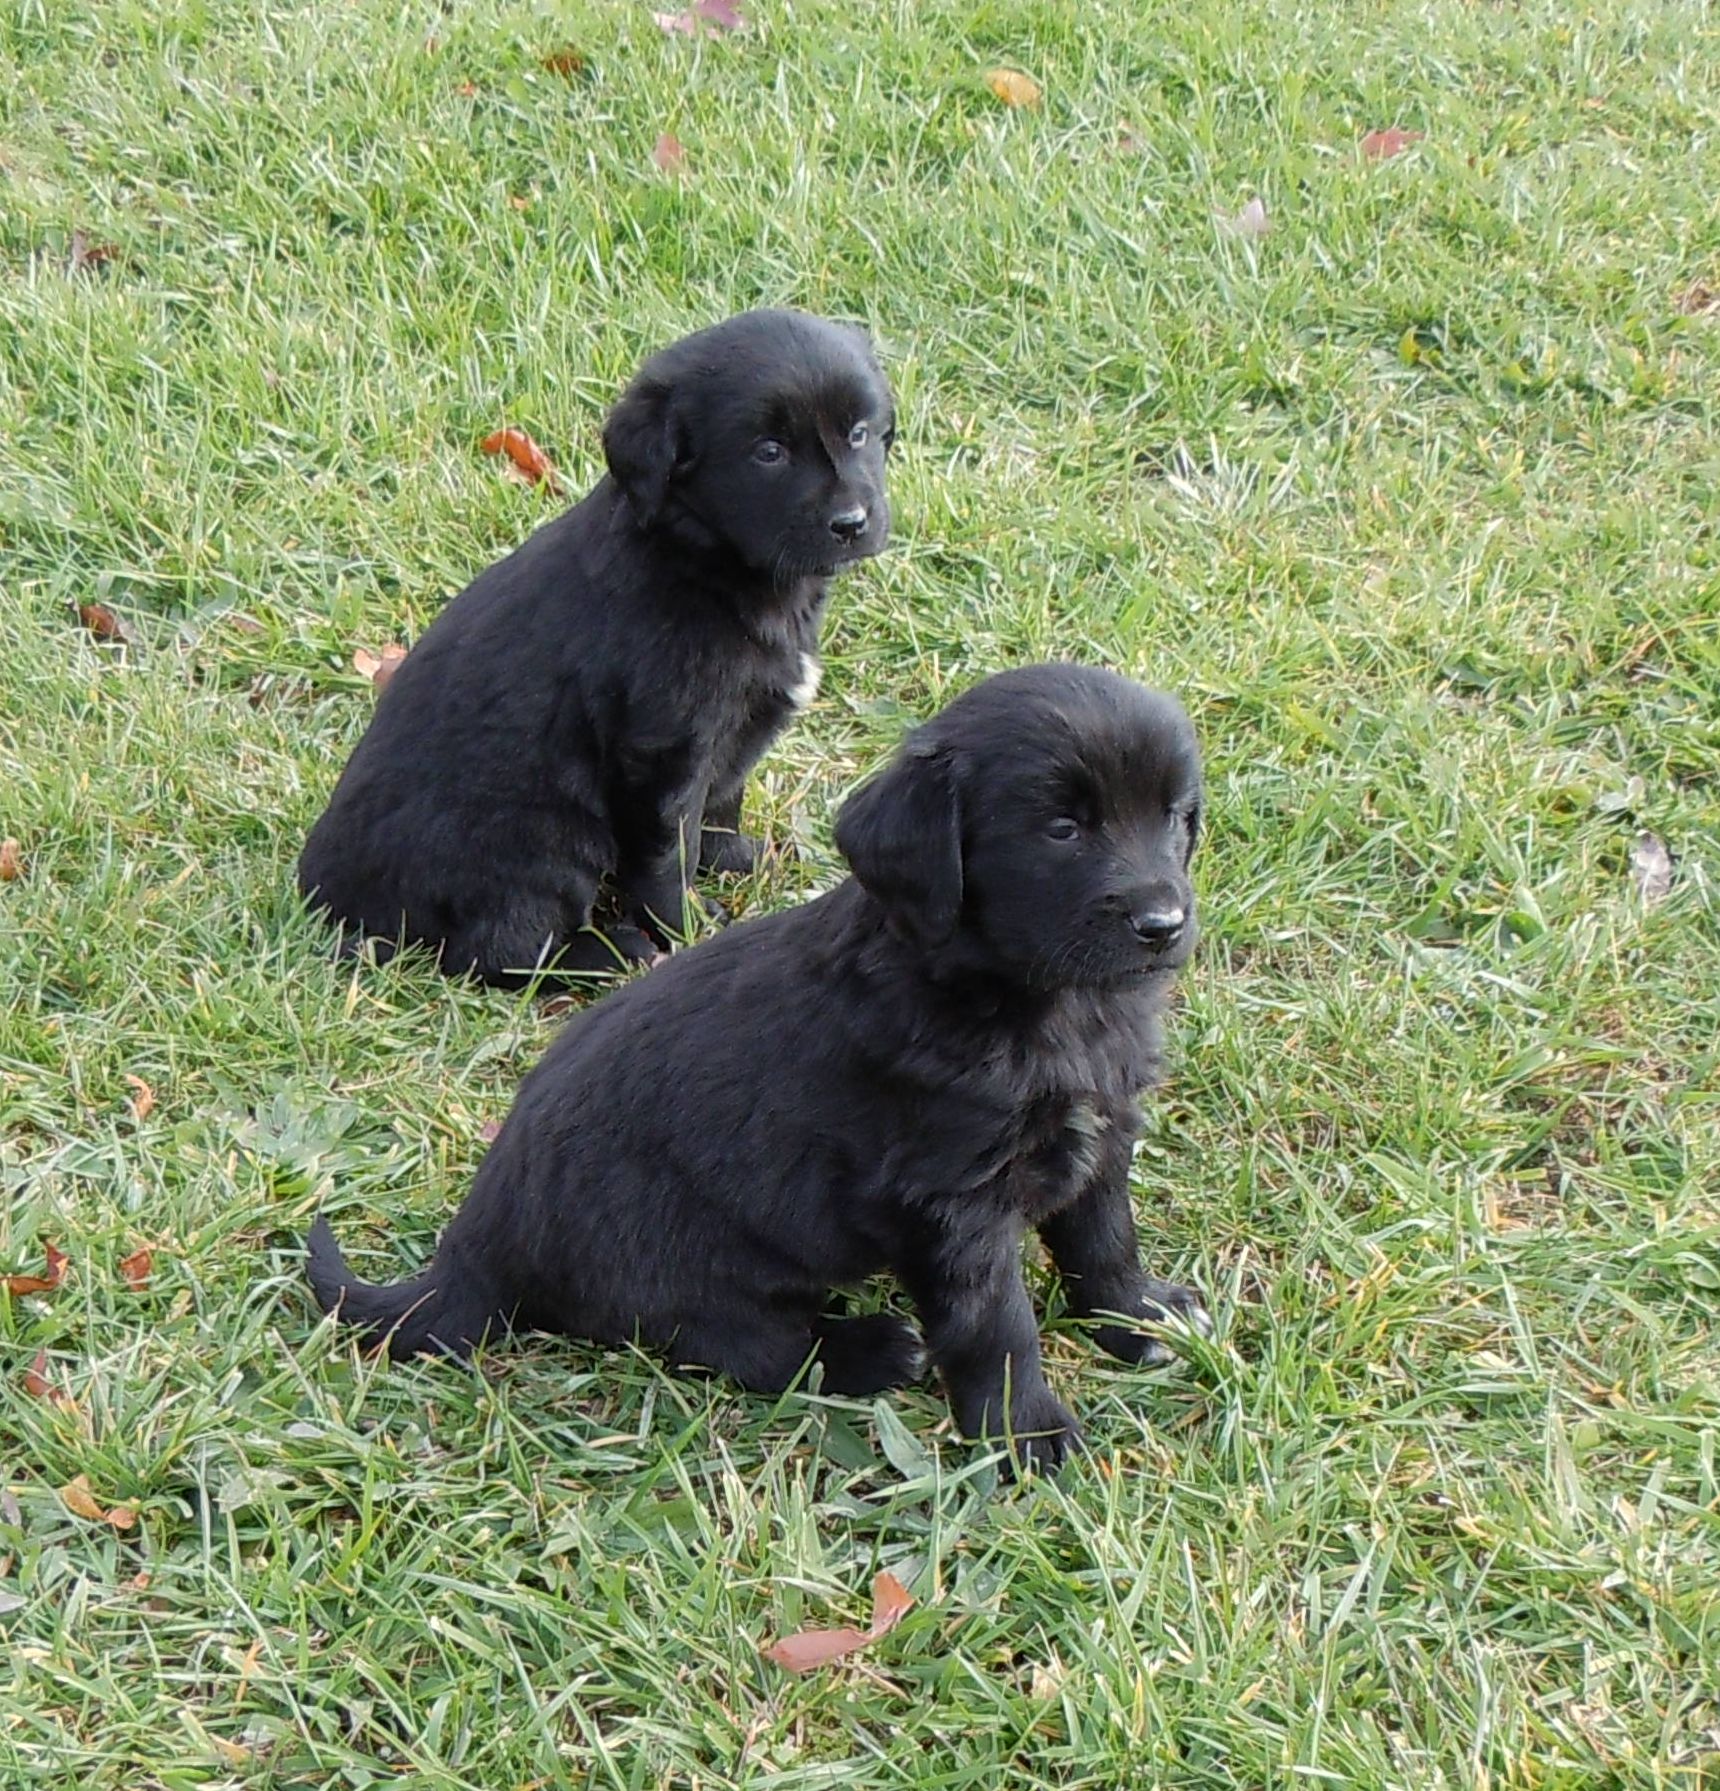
{"x":51,"y":1276}
{"x":35,"y":1382}
{"x":82,"y":254}
{"x":670,"y":154}
{"x":142,"y":1102}
{"x":137,"y":1268}
{"x":525,"y":458}
{"x":1014,"y":88}
{"x":566,"y":62}
{"x":1699,"y":299}
{"x":379,"y":667}
{"x":1651,"y":869}
{"x":11,"y":861}
{"x":489,"y":1131}
{"x":78,"y":1499}
{"x":1251,"y":221}
{"x":808,"y":1649}
{"x":1381,"y":146}
{"x":107,"y":624}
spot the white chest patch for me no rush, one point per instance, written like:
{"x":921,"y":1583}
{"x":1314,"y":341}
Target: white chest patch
{"x":805,"y":687}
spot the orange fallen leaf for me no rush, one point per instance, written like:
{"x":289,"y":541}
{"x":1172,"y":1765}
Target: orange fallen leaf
{"x":107,"y":624}
{"x":78,"y":1499}
{"x":140,"y":1581}
{"x":1014,"y":88}
{"x":81,"y":253}
{"x":519,"y":202}
{"x":137,"y":1268}
{"x":46,"y":1282}
{"x":669,"y":153}
{"x":38,"y":1386}
{"x":1381,"y":146}
{"x":142,"y":1098}
{"x":11,"y":861}
{"x":566,"y":62}
{"x":810,"y":1648}
{"x":467,"y":90}
{"x":379,"y":667}
{"x":524,"y":454}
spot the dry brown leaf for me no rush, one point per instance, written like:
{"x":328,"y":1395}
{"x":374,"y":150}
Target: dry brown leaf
{"x":1014,"y":88}
{"x":11,"y":861}
{"x":1651,"y":869}
{"x":81,"y":253}
{"x":1381,"y":146}
{"x":489,"y":1131}
{"x":669,"y":154}
{"x":807,"y":1649}
{"x":50,"y":1278}
{"x":526,"y":456}
{"x":142,"y":1098}
{"x":137,"y":1268}
{"x":519,"y":202}
{"x":36,"y":1383}
{"x":1699,"y":300}
{"x":107,"y":624}
{"x":1251,"y":221}
{"x":78,"y":1499}
{"x":379,"y":667}
{"x":566,"y":62}
{"x":140,"y":1581}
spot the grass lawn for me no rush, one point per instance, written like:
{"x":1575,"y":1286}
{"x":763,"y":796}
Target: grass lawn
{"x":1414,"y":498}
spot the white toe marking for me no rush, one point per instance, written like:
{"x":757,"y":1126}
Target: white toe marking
{"x":805,"y":687}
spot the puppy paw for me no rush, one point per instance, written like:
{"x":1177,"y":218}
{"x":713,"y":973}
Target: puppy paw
{"x":1161,"y":1303}
{"x":729,"y":854}
{"x":870,"y":1353}
{"x":1043,"y":1432}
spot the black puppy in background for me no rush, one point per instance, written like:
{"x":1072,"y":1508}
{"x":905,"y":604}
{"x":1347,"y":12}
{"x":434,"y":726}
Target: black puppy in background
{"x":904,"y":1074}
{"x":585,"y":713}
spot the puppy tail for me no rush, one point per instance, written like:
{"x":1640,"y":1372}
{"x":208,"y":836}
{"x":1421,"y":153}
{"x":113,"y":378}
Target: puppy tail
{"x":428,"y":1315}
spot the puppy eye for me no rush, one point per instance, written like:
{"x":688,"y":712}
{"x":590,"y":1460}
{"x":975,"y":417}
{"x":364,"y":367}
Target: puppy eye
{"x":857,"y":436}
{"x":769,"y":453}
{"x":1064,"y":828}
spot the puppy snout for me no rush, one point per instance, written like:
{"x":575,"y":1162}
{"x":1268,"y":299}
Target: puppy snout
{"x":1159,"y":922}
{"x":849,"y":525}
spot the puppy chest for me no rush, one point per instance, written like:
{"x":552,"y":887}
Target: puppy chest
{"x":1061,"y":1149}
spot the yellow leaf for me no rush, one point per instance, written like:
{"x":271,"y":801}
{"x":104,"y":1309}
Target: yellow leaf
{"x":1014,"y":88}
{"x":80,"y":1501}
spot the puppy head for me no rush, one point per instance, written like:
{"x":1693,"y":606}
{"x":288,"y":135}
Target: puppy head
{"x":1040,"y":828}
{"x":765,"y":435}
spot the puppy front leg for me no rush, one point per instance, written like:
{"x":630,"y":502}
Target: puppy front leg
{"x":1093,"y":1243}
{"x":657,"y":887}
{"x":982,"y":1334}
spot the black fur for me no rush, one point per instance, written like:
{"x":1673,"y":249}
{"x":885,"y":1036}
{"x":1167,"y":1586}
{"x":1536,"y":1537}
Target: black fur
{"x":905,"y":1074}
{"x":584,"y":715}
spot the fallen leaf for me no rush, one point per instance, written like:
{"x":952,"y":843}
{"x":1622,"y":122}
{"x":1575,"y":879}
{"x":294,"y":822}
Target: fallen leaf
{"x":11,"y":861}
{"x":467,"y":90}
{"x":669,"y":154}
{"x":525,"y":455}
{"x":552,"y":1007}
{"x":140,"y":1581}
{"x":566,"y":62}
{"x":241,"y":623}
{"x":10,"y":1601}
{"x":78,"y":1499}
{"x":1699,"y":300}
{"x":379,"y":667}
{"x":38,"y":1386}
{"x":704,"y":18}
{"x":1650,"y":869}
{"x":106,"y":624}
{"x":81,"y":253}
{"x":1251,"y":221}
{"x":1381,"y":146}
{"x":1014,"y":88}
{"x":519,"y":202}
{"x":50,"y":1278}
{"x":489,"y":1131}
{"x":137,"y":1268}
{"x":810,"y":1648}
{"x":142,"y":1098}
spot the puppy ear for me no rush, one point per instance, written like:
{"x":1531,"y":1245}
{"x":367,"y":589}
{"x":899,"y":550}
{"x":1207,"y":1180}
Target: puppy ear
{"x":901,"y":834}
{"x":641,"y":442}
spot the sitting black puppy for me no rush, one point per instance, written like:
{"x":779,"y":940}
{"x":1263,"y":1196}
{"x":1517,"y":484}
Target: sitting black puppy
{"x":903,"y":1074}
{"x":585,"y":713}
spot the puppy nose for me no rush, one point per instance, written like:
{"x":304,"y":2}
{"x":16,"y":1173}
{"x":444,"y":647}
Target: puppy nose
{"x":1159,"y":924}
{"x":849,"y":525}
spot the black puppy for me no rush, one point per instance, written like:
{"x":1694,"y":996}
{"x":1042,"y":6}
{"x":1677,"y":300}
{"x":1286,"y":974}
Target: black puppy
{"x":585,"y":713}
{"x":903,"y":1074}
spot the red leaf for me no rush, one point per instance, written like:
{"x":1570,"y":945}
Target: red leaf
{"x":11,"y":861}
{"x":78,"y":1499}
{"x":81,"y":253}
{"x":704,"y":18}
{"x":46,"y":1282}
{"x":1381,"y":146}
{"x":566,"y":62}
{"x":142,"y":1098}
{"x":137,"y":1268}
{"x":379,"y":667}
{"x":106,"y":624}
{"x":526,"y":455}
{"x":37,"y":1384}
{"x":810,"y":1648}
{"x":669,"y":154}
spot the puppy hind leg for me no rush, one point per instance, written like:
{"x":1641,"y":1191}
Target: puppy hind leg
{"x":869,"y":1353}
